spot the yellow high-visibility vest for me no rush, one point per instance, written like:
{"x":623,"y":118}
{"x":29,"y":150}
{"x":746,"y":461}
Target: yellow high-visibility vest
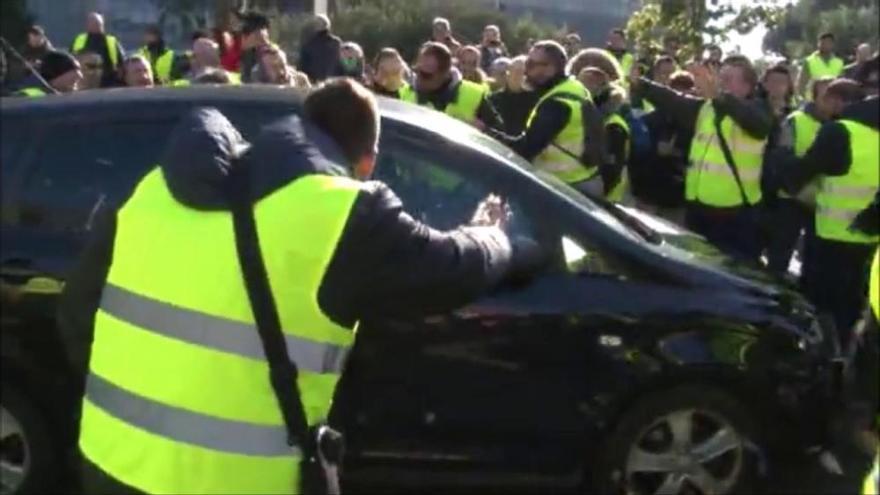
{"x":463,"y":107}
{"x":178,"y":397}
{"x":620,"y":189}
{"x":79,"y":44}
{"x":32,"y":92}
{"x":806,"y":128}
{"x":842,"y":198}
{"x":563,"y":158}
{"x":709,"y":180}
{"x":161,"y":65}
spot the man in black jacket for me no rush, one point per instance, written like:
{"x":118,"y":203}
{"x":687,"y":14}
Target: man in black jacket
{"x":320,"y":55}
{"x":441,"y":87}
{"x":720,"y":206}
{"x":559,"y":97}
{"x":515,"y":102}
{"x":384,"y":264}
{"x":658,"y":178}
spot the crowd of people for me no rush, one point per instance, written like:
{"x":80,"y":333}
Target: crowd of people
{"x":708,"y":143}
{"x":770,"y":166}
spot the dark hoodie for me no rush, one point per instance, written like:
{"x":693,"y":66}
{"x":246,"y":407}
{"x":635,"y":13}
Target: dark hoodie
{"x":319,"y":57}
{"x":830,"y":153}
{"x":422,"y":271}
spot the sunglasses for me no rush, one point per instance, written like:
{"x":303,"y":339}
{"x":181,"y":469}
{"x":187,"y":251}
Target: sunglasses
{"x":536,"y":63}
{"x":93,"y":66}
{"x":425,"y":75}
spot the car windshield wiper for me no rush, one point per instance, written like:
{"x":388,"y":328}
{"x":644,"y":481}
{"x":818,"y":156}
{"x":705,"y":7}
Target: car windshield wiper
{"x":630,"y":221}
{"x":639,"y":226}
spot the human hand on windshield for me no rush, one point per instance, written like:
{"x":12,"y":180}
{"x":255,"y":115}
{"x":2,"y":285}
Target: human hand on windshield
{"x":491,"y":212}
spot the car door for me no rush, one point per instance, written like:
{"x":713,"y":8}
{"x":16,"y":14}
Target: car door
{"x":81,"y":164}
{"x":501,"y":381}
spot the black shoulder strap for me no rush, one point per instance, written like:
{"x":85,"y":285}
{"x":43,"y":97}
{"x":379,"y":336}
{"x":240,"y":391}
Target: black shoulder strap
{"x":728,"y":157}
{"x":580,"y":100}
{"x":282,"y":371}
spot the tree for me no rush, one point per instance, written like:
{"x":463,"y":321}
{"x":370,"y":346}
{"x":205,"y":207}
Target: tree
{"x":693,"y":22}
{"x":851,"y":21}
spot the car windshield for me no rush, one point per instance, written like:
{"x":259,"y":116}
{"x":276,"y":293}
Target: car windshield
{"x":599,"y":208}
{"x":452,"y":129}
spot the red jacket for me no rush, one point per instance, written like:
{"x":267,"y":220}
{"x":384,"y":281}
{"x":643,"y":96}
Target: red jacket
{"x":230,"y":57}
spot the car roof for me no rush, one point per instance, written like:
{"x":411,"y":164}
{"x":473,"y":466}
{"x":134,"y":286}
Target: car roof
{"x":113,"y":96}
{"x":113,"y":100}
{"x":256,"y":93}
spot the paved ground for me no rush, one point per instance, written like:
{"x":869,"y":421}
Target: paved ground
{"x":804,"y":476}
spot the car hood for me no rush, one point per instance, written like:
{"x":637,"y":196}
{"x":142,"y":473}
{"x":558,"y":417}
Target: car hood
{"x":689,"y":247}
{"x":782,"y":305}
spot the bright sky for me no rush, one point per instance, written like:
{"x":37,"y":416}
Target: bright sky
{"x":750,"y":43}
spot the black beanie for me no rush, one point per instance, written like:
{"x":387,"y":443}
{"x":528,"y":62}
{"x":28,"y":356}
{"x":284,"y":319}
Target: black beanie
{"x":56,"y":63}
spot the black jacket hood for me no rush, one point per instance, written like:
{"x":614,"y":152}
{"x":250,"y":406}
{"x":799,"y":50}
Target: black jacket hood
{"x":865,"y":112}
{"x":205,"y":147}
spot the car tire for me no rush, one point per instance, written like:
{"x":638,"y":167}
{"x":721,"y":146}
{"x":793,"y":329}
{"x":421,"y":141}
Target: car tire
{"x":27,"y":449}
{"x":676,"y":438}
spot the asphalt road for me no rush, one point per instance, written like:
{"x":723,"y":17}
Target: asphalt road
{"x":800,"y":476}
{"x":803,"y":476}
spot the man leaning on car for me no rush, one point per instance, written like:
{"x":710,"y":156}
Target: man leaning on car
{"x":176,"y":397}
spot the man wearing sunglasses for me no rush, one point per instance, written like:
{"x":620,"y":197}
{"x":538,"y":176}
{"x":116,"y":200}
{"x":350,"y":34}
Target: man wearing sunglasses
{"x":439,"y":87}
{"x":564,"y":132}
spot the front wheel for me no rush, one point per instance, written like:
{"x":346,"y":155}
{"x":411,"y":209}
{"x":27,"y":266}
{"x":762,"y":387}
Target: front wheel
{"x":689,"y":440}
{"x":27,"y":455}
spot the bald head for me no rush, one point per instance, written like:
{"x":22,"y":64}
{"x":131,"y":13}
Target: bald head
{"x":95,"y":23}
{"x":206,"y":54}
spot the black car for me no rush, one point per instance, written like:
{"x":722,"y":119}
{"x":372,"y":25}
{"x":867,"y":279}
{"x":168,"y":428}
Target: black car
{"x":641,"y":357}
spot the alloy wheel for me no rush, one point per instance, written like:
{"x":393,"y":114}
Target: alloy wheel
{"x":686,"y":452}
{"x":15,"y":456}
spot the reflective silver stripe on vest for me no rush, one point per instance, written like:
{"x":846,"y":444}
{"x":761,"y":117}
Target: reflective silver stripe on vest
{"x":746,"y":174}
{"x":849,"y":191}
{"x":181,"y":425}
{"x":837,"y":213}
{"x":214,"y":332}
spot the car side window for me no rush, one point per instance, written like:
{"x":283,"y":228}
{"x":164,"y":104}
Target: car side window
{"x":81,"y":167}
{"x":14,"y":142}
{"x":250,"y":119}
{"x":435,"y":193}
{"x":13,"y":136}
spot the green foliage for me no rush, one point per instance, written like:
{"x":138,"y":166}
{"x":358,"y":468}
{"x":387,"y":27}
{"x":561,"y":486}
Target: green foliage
{"x":852,"y":22}
{"x":693,"y":22}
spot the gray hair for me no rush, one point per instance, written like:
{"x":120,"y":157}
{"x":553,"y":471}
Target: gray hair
{"x":322,"y":22}
{"x":351,"y":45}
{"x":501,"y":62}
